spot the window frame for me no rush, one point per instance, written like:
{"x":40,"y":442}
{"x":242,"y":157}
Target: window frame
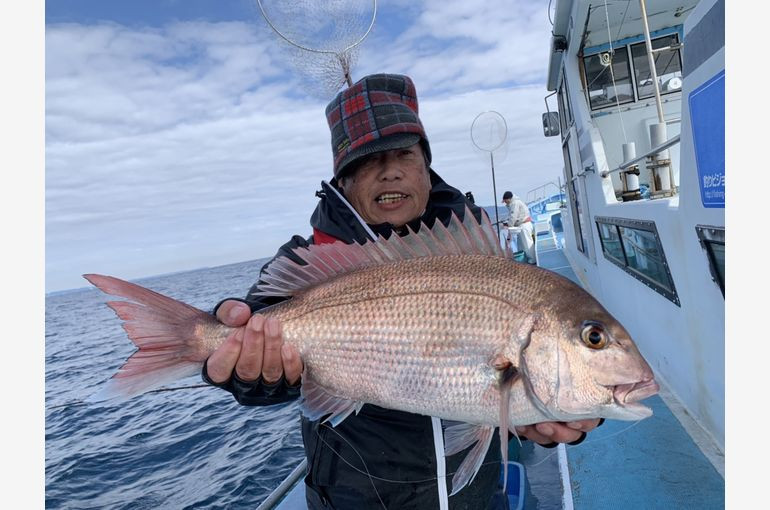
{"x":626,"y":45}
{"x":643,"y":225}
{"x":632,"y":81}
{"x":631,"y":47}
{"x":709,"y":235}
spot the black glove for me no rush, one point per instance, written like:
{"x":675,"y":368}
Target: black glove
{"x":255,"y":393}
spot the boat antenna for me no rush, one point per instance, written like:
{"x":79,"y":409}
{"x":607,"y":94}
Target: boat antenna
{"x":322,"y":38}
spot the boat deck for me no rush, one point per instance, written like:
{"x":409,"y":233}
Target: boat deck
{"x":653,"y":463}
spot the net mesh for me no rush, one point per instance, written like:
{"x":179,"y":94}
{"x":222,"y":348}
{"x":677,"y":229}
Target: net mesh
{"x":489,"y":131}
{"x":489,"y":134}
{"x":321,"y":38}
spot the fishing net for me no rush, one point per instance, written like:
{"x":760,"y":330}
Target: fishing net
{"x":489,"y":133}
{"x":321,"y":38}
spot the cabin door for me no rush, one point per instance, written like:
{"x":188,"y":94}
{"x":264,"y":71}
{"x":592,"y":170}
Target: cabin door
{"x":577,"y":193}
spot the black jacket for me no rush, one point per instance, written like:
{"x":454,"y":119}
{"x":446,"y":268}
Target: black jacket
{"x":387,"y":444}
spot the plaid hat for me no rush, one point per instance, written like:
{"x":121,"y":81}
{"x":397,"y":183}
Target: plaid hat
{"x":378,"y":113}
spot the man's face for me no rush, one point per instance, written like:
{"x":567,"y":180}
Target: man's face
{"x":507,"y":201}
{"x":390,"y":186}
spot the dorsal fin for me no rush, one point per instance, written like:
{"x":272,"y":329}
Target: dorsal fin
{"x":284,"y":277}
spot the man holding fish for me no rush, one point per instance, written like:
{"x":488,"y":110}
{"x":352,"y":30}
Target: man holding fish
{"x":382,"y":184}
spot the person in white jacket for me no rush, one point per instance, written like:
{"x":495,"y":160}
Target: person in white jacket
{"x":518,"y":217}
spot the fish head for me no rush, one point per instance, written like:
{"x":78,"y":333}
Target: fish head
{"x":580,"y":362}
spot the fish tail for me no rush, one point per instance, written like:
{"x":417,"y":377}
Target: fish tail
{"x":166,"y":332}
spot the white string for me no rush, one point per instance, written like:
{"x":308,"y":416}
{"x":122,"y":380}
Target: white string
{"x":426,"y":480}
{"x":603,"y":438}
{"x":612,"y":74}
{"x":366,"y":227}
{"x":367,"y":473}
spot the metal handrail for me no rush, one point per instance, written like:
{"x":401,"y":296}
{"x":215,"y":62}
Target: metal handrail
{"x":586,"y":170}
{"x":665,"y":145}
{"x":285,"y":486}
{"x":542,"y":186}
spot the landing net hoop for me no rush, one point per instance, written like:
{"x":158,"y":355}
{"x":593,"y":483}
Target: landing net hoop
{"x":331,"y":30}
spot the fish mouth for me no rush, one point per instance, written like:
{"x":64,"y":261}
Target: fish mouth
{"x":390,"y":198}
{"x":629,"y":395}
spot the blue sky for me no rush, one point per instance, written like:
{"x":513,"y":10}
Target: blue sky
{"x":139,"y":13}
{"x":180,"y":135}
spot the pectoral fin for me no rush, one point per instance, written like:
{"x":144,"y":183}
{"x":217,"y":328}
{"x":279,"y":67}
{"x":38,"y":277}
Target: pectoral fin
{"x":508,"y":374}
{"x":458,"y":437}
{"x":317,"y":401}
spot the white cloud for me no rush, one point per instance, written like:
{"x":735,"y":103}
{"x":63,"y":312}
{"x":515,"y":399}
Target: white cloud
{"x":458,"y":46}
{"x":192,"y":144}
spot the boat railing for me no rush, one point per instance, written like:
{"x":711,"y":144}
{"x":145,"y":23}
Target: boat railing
{"x":275,"y":497}
{"x":540,"y":193}
{"x":631,"y":162}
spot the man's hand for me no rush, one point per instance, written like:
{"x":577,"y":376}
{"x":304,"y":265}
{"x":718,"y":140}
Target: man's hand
{"x":255,"y":348}
{"x":547,"y":433}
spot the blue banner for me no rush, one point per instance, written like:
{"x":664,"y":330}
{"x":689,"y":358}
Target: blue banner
{"x":707,"y":116}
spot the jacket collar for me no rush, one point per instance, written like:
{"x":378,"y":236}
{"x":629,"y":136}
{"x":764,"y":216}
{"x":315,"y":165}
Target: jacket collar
{"x":334,"y":217}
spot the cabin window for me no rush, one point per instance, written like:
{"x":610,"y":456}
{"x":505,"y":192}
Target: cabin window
{"x":645,"y":255}
{"x":608,"y":76}
{"x":712,"y":240}
{"x":603,"y":63}
{"x":668,"y":67}
{"x":634,"y":245}
{"x":611,"y":242}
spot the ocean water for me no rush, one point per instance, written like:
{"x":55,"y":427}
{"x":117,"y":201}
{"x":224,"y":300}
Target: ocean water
{"x":182,"y":449}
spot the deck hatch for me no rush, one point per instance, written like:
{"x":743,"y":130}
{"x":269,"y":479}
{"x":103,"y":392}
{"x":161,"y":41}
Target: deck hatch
{"x":712,"y":240}
{"x":635,"y":247}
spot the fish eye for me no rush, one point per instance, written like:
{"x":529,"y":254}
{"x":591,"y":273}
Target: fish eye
{"x":593,"y":335}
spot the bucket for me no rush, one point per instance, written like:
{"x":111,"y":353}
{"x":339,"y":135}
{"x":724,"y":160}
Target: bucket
{"x":513,"y":499}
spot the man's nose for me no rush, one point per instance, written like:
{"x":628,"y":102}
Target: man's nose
{"x":391,"y":168}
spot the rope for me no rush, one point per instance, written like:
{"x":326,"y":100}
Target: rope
{"x":612,"y":73}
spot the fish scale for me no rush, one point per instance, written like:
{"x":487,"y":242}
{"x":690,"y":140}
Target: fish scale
{"x":412,"y":351}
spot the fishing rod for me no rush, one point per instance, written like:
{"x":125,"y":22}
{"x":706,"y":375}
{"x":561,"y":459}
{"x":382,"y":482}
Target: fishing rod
{"x":159,"y":390}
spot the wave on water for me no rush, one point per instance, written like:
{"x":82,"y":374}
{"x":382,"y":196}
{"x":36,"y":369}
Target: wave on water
{"x":191,"y":448}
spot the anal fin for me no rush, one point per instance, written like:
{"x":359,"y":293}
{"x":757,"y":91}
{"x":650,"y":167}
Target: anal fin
{"x":317,"y":402}
{"x":458,"y":437}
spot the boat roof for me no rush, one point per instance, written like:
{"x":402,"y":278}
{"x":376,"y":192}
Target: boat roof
{"x":589,"y":28}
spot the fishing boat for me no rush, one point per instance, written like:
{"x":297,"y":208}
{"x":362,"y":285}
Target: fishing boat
{"x":639,"y":88}
{"x":639,"y":222}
